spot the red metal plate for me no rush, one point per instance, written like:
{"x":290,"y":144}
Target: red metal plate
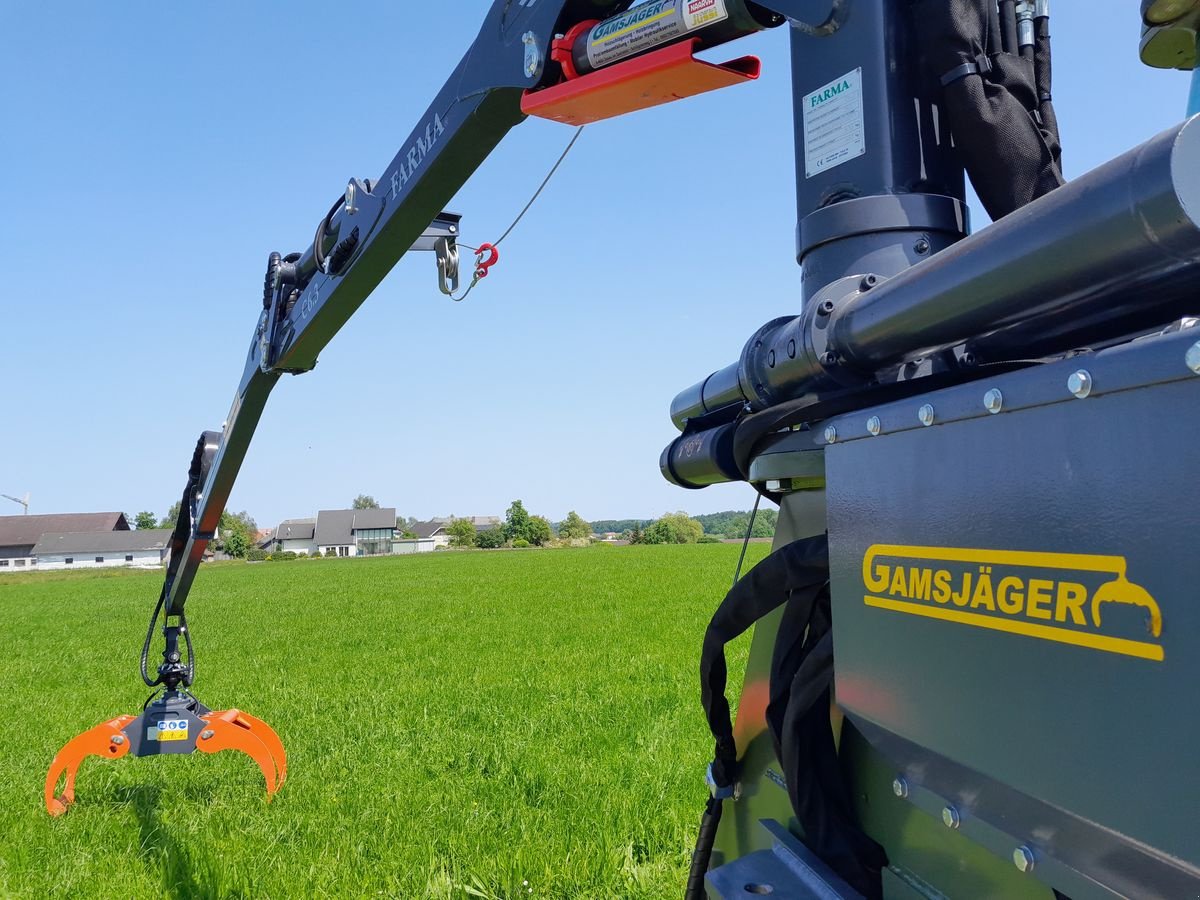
{"x":671,"y":73}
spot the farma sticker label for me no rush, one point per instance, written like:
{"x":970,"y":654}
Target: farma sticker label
{"x":833,"y":124}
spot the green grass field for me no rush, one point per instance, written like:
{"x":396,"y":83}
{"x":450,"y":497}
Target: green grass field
{"x":504,"y":724}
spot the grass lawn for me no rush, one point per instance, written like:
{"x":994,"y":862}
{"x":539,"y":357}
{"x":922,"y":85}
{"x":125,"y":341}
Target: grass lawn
{"x":487,"y":724}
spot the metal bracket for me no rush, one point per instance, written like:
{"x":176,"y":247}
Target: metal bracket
{"x":447,"y":265}
{"x":442,"y":238}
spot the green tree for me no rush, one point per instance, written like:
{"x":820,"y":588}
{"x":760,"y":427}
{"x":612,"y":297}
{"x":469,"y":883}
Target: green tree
{"x":516,"y":521}
{"x":365,"y":501}
{"x":144,"y":519}
{"x":168,"y":521}
{"x":673,"y":528}
{"x":463,"y":533}
{"x":538,"y":531}
{"x":636,"y":536}
{"x":491,"y":538}
{"x":573,"y":526}
{"x":236,"y":533}
{"x":237,"y":543}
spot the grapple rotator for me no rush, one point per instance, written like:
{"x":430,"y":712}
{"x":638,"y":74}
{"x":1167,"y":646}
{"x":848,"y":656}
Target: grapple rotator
{"x":172,"y":720}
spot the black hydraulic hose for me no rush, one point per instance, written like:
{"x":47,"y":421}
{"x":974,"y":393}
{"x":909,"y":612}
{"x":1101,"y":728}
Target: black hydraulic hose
{"x":149,"y":637}
{"x":190,"y":675}
{"x":1043,"y":78}
{"x":702,"y":855}
{"x":322,"y":230}
{"x":992,"y":44}
{"x":1008,"y":26}
{"x":737,"y":573}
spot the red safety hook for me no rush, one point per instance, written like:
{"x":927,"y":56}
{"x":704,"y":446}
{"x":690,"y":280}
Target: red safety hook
{"x":482,"y":265}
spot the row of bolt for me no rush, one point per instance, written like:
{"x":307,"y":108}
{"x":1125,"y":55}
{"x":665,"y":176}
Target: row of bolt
{"x":1022,"y":856}
{"x":1079,"y":384}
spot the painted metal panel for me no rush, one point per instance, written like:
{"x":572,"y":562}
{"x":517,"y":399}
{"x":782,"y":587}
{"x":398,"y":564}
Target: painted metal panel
{"x":1081,"y":724}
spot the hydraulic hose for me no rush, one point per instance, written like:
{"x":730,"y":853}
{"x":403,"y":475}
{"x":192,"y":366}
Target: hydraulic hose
{"x":702,"y":855}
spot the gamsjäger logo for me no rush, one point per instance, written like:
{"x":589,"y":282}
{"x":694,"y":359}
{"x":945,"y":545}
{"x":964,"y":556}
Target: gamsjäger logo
{"x":1061,"y":597}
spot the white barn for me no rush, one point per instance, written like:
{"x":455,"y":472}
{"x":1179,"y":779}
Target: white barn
{"x":103,"y":549}
{"x":296,"y":535}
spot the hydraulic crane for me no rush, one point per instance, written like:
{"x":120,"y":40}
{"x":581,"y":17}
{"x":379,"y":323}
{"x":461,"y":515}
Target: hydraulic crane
{"x":1005,"y":644}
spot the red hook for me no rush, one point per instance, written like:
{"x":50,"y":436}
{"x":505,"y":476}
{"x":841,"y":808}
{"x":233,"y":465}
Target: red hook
{"x":482,"y":265}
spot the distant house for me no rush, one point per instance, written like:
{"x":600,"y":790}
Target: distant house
{"x":434,"y":530}
{"x":19,"y":534}
{"x":438,"y":528}
{"x":355,"y":532}
{"x":297,"y":536}
{"x":103,"y":549}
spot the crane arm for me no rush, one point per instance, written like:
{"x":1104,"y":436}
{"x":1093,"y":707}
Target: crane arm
{"x":309,"y":296}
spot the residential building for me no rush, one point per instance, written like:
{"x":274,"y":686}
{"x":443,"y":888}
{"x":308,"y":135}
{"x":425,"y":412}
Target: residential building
{"x":103,"y":549}
{"x":19,"y":534}
{"x":296,"y":536}
{"x":434,"y":530}
{"x":355,"y":532}
{"x":438,"y":528}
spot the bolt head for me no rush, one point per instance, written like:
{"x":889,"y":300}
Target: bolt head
{"x":925,"y":415}
{"x":118,"y":739}
{"x":1024,"y":859}
{"x":206,"y":734}
{"x":1193,"y":357}
{"x":900,"y":786}
{"x":993,"y":401}
{"x":830,"y":434}
{"x":951,"y":817}
{"x":874,"y":425}
{"x":1080,"y":383}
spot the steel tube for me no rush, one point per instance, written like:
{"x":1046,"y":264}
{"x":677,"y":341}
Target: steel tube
{"x":1109,"y":253}
{"x":1092,"y":246}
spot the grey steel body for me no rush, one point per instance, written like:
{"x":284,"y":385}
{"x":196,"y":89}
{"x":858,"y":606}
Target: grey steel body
{"x":171,"y":705}
{"x":1081,"y":757}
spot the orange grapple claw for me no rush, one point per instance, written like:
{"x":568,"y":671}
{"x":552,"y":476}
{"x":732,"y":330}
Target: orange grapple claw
{"x":105,"y":740}
{"x":233,"y":729}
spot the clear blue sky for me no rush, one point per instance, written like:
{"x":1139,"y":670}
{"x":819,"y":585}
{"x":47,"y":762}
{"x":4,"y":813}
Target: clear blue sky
{"x":152,"y":154}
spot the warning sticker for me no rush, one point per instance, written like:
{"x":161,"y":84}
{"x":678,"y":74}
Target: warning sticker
{"x":833,"y":124}
{"x":698,"y":13}
{"x":168,"y":730}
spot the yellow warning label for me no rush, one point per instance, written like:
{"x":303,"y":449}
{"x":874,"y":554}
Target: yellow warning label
{"x":1050,"y":596}
{"x":169,"y":730}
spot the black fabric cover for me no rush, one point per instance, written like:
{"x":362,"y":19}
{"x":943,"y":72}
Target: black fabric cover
{"x":998,"y":104}
{"x":798,"y":710}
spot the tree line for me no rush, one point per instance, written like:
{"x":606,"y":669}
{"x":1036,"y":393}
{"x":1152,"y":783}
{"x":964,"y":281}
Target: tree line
{"x":237,"y":532}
